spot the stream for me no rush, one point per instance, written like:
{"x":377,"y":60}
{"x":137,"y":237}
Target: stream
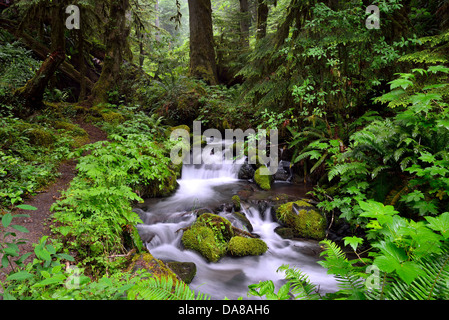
{"x":210,"y":186}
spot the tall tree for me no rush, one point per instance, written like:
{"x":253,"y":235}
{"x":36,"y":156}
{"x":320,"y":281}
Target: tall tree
{"x":245,"y":21}
{"x":117,"y":29}
{"x":202,"y":52}
{"x":33,"y":91}
{"x":262,"y":17}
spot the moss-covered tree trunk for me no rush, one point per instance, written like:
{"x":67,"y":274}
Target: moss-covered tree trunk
{"x":33,"y":92}
{"x":117,"y":29}
{"x":202,"y":52}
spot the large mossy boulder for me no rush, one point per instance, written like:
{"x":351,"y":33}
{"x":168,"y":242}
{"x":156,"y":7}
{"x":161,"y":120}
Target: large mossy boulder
{"x":303,"y":218}
{"x":262,"y":178}
{"x":154,"y":266}
{"x":242,"y":246}
{"x":209,"y":235}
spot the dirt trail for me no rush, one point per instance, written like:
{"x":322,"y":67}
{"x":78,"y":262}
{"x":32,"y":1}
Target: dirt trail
{"x":38,"y":223}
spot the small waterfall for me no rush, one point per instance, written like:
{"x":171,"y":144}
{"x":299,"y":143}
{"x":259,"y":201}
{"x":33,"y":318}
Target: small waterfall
{"x":209,"y":186}
{"x":213,"y":165}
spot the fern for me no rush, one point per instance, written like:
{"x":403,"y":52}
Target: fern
{"x":433,"y":285}
{"x":163,"y":289}
{"x":300,"y":284}
{"x":344,"y":271}
{"x":342,"y":169}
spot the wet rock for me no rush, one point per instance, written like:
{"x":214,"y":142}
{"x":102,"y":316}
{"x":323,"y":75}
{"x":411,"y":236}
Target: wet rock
{"x":184,"y":270}
{"x":246,"y":172}
{"x":263,"y":179}
{"x":241,"y":246}
{"x":285,"y":233}
{"x":149,"y":263}
{"x":209,"y":235}
{"x":306,"y":220}
{"x":242,"y":221}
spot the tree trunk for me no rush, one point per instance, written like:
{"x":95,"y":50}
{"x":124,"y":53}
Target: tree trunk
{"x":116,"y":32}
{"x":202,"y":52}
{"x":33,"y":92}
{"x":244,"y":23}
{"x":262,"y":17}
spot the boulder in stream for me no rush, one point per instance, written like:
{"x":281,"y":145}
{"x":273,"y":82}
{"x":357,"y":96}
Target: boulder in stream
{"x":154,"y":266}
{"x":305,"y":220}
{"x":264,"y":181}
{"x":242,"y":246}
{"x":209,"y":236}
{"x":185,"y":270}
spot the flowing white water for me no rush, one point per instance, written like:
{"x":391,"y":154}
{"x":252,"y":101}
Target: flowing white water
{"x":208,"y":186}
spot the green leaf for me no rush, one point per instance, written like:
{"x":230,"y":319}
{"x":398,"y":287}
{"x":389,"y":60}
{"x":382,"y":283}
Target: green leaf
{"x":41,"y":253}
{"x":20,"y":228}
{"x":403,"y":83}
{"x":59,"y":278}
{"x":26,"y":207}
{"x":353,"y":242}
{"x":413,"y":196}
{"x":6,"y":220}
{"x":19,"y":276}
{"x":440,"y":224}
{"x":409,"y":271}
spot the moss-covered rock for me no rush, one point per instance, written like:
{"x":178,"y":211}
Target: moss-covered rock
{"x":236,"y":202}
{"x":36,"y":134}
{"x":241,"y":246}
{"x":262,"y":178}
{"x":303,"y":218}
{"x":209,"y":235}
{"x":154,"y":266}
{"x":202,"y":240}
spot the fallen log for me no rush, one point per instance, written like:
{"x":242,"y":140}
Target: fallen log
{"x":43,"y":52}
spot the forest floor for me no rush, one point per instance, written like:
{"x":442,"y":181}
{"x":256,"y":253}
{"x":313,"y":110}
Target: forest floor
{"x":38,"y":224}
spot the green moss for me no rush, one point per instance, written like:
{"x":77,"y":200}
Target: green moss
{"x":113,"y":117}
{"x":209,"y":236}
{"x":154,"y":266}
{"x":236,"y":202}
{"x":37,"y":135}
{"x":263,"y":180}
{"x":307,"y":222}
{"x":241,"y":246}
{"x":202,"y":239}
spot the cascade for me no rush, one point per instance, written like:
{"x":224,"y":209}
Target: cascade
{"x":209,"y":186}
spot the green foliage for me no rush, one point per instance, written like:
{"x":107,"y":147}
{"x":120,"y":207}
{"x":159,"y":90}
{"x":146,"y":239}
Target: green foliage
{"x":30,"y":153}
{"x":16,"y":66}
{"x":95,"y":214}
{"x":297,"y":287}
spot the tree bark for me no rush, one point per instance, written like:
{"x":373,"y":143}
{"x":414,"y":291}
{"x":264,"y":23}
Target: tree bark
{"x":244,"y":23}
{"x":116,"y":32}
{"x":202,"y":52}
{"x":262,"y":17}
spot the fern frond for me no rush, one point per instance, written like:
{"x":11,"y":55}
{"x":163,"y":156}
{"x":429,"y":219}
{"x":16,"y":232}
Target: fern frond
{"x":300,"y":285}
{"x":164,"y":288}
